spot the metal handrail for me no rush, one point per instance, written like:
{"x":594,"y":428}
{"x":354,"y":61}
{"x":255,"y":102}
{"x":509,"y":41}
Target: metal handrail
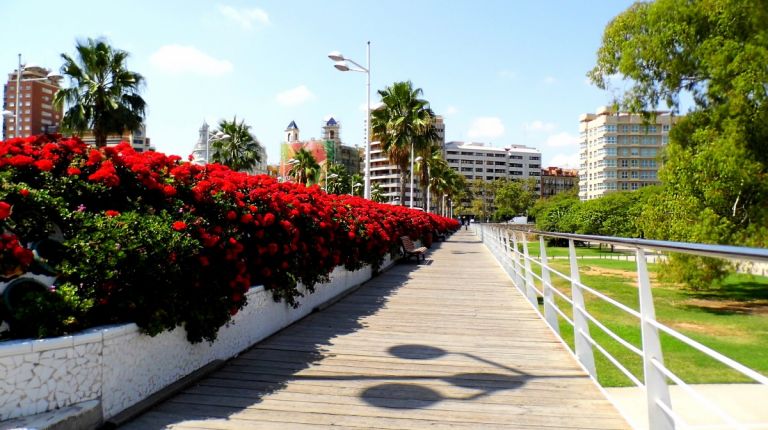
{"x":658,"y":400}
{"x":708,"y":250}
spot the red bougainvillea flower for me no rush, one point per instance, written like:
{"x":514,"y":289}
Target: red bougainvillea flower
{"x":110,"y":213}
{"x":5,"y":210}
{"x":24,"y":192}
{"x":179,"y":226}
{"x":73,"y":171}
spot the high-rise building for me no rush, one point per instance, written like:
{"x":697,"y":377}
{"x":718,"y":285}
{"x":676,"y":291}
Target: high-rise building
{"x":620,"y":151}
{"x":387,"y":175}
{"x":555,"y":180}
{"x":477,"y":161}
{"x":35,"y":102}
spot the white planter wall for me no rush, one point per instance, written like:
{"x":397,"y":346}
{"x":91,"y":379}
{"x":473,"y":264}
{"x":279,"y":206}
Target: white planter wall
{"x":120,"y":366}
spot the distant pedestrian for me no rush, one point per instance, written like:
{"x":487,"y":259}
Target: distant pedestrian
{"x":466,"y":223}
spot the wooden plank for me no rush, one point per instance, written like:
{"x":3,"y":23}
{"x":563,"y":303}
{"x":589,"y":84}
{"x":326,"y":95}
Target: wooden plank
{"x":442,"y":345}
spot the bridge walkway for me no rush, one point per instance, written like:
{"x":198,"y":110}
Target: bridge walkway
{"x":445,"y":344}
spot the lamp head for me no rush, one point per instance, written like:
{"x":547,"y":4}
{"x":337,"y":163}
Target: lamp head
{"x":224,"y":136}
{"x":54,"y":76}
{"x":336,"y":56}
{"x":333,"y":175}
{"x":418,"y":159}
{"x":341,"y":65}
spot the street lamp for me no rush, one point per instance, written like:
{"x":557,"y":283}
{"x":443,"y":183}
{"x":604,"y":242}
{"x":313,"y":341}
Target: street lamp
{"x":327,"y":176}
{"x":213,"y":137}
{"x":417,"y":160}
{"x":341,"y":64}
{"x":292,"y":162}
{"x":356,"y":186}
{"x":444,"y":211}
{"x":19,"y":71}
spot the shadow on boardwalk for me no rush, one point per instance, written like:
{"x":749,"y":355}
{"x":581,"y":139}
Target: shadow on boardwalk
{"x":447,"y":344}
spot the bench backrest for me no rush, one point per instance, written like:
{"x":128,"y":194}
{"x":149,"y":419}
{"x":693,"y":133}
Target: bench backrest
{"x":407,"y":243}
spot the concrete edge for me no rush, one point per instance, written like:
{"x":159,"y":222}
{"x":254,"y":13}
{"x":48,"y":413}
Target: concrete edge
{"x":163,"y":394}
{"x":83,"y":415}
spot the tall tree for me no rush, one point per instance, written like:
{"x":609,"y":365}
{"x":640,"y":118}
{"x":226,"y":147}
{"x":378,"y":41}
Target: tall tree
{"x":240,"y":151}
{"x":403,"y":123}
{"x":103,"y":95}
{"x":305,"y":170}
{"x":514,"y":197}
{"x":716,"y":163}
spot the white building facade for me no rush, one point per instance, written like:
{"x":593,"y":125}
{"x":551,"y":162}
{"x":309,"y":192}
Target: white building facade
{"x":620,"y":151}
{"x":477,"y":161}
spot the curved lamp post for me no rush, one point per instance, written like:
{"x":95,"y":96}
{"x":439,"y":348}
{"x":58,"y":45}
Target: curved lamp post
{"x":213,"y":137}
{"x":327,"y":176}
{"x":341,"y":64}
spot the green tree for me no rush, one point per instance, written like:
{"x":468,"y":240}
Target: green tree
{"x":514,"y":197}
{"x":716,"y":163}
{"x":555,"y":213}
{"x":241,"y":151}
{"x":338,"y":180}
{"x":404,"y":121}
{"x":376,"y":194}
{"x":305,"y":170}
{"x":103,"y":95}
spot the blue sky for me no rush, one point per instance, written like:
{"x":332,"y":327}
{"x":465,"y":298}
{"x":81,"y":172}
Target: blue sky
{"x":500,"y":71}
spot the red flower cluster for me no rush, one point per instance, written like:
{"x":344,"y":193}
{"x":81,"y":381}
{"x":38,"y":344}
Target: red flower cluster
{"x":251,"y":229}
{"x":14,"y":258}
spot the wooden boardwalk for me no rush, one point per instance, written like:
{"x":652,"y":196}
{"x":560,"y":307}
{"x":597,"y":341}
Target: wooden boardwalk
{"x":445,"y":344}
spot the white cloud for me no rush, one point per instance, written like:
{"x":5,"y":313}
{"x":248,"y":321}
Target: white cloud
{"x":486,"y":127}
{"x":550,"y":80}
{"x":539,"y":126}
{"x":245,"y":16}
{"x":180,"y":59}
{"x":565,"y":160}
{"x":561,"y":140}
{"x":451,"y":110}
{"x":295,"y":96}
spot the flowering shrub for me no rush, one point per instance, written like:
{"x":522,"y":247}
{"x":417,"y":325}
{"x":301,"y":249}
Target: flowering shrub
{"x":162,"y":242}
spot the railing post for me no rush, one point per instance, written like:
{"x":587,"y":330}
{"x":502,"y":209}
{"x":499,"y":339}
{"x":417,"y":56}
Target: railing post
{"x":505,"y":257}
{"x":530,"y":290}
{"x":656,"y":388}
{"x":550,"y":312}
{"x":580,"y":321}
{"x":516,"y":267}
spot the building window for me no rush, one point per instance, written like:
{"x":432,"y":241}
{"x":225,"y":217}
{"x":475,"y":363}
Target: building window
{"x":534,"y":158}
{"x":534,"y":166}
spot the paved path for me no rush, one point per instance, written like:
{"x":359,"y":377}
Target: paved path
{"x":444,"y":344}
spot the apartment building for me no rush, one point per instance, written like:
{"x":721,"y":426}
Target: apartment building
{"x":387,"y":175}
{"x":556,"y":180}
{"x":37,"y":114}
{"x":478,"y":161}
{"x":620,"y":151}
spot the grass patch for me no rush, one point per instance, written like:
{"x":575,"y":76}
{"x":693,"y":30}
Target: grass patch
{"x":732,"y":320}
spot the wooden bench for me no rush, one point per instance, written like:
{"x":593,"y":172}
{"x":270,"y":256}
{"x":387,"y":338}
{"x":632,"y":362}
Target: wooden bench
{"x":410,"y":250}
{"x":439,"y":236}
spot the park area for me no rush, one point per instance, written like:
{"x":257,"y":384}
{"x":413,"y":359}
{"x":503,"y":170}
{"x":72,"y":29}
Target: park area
{"x":731,"y":319}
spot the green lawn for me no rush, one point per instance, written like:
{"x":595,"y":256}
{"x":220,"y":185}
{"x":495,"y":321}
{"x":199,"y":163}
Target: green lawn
{"x":581,"y":251}
{"x":732,"y":321}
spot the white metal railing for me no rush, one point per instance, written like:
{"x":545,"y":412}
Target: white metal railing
{"x":509,"y":244}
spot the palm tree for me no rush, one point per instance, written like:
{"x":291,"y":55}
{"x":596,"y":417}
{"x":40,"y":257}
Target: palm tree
{"x":403,"y":122}
{"x":241,"y":151}
{"x":431,"y":164}
{"x":305,"y":170}
{"x":103,"y":95}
